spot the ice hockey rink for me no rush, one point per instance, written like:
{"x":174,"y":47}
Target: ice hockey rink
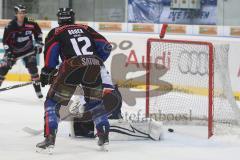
{"x":181,"y":55}
{"x":20,"y":108}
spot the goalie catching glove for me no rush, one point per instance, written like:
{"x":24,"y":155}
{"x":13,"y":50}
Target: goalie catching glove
{"x":47,"y":75}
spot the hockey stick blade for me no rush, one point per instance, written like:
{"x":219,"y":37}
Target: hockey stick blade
{"x":31,"y":131}
{"x":15,"y":86}
{"x":35,"y":132}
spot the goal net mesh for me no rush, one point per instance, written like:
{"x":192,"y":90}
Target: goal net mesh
{"x":194,"y":85}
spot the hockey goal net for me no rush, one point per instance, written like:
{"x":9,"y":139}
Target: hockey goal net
{"x":193,"y":83}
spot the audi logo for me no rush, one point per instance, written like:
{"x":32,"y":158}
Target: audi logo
{"x":193,"y":62}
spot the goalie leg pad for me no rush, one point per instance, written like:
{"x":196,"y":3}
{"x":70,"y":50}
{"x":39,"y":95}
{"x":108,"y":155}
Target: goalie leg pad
{"x":135,"y":130}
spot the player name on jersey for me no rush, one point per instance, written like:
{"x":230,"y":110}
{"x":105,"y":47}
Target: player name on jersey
{"x":75,"y":31}
{"x":90,"y":61}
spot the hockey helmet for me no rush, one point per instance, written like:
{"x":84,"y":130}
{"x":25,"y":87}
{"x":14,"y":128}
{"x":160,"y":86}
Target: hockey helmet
{"x":65,"y":16}
{"x":20,"y":8}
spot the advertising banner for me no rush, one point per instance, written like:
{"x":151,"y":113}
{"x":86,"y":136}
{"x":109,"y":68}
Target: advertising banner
{"x":160,"y":11}
{"x":115,"y":27}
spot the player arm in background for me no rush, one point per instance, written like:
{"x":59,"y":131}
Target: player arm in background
{"x":37,"y":32}
{"x":106,"y":81}
{"x":103,"y":47}
{"x":51,"y":51}
{"x":7,"y":39}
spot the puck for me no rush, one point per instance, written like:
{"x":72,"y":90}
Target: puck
{"x":170,"y":130}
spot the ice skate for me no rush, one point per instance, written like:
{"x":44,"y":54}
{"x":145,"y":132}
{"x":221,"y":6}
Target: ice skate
{"x":47,"y":145}
{"x":37,"y":89}
{"x":103,"y":141}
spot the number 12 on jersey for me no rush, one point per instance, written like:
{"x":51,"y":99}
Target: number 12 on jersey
{"x":84,"y":48}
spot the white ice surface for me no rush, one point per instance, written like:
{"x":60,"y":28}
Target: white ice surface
{"x":20,"y":108}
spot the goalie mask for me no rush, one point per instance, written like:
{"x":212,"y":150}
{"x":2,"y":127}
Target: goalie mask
{"x":65,"y":16}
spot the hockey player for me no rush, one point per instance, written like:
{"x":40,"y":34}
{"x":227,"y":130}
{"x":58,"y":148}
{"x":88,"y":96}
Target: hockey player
{"x":81,"y":50}
{"x":18,"y":43}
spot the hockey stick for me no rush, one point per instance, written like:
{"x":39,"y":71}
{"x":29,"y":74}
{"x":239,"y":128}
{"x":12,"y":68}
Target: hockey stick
{"x":15,"y":86}
{"x":35,"y":132}
{"x":2,"y":63}
{"x":32,"y":131}
{"x":26,"y":55}
{"x":18,"y":85}
{"x":163,"y":31}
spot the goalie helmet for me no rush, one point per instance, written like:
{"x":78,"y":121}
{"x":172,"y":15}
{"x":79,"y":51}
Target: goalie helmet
{"x":20,"y":8}
{"x":65,"y":16}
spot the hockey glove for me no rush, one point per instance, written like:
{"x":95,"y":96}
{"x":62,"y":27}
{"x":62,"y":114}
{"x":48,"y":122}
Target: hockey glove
{"x":9,"y":56}
{"x":38,"y":47}
{"x":47,"y":75}
{"x":9,"y":59}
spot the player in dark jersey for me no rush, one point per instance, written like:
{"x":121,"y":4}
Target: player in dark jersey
{"x":82,"y":51}
{"x":18,"y":43}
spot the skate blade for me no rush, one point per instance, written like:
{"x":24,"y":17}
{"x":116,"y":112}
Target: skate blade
{"x":103,"y":148}
{"x":49,"y":150}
